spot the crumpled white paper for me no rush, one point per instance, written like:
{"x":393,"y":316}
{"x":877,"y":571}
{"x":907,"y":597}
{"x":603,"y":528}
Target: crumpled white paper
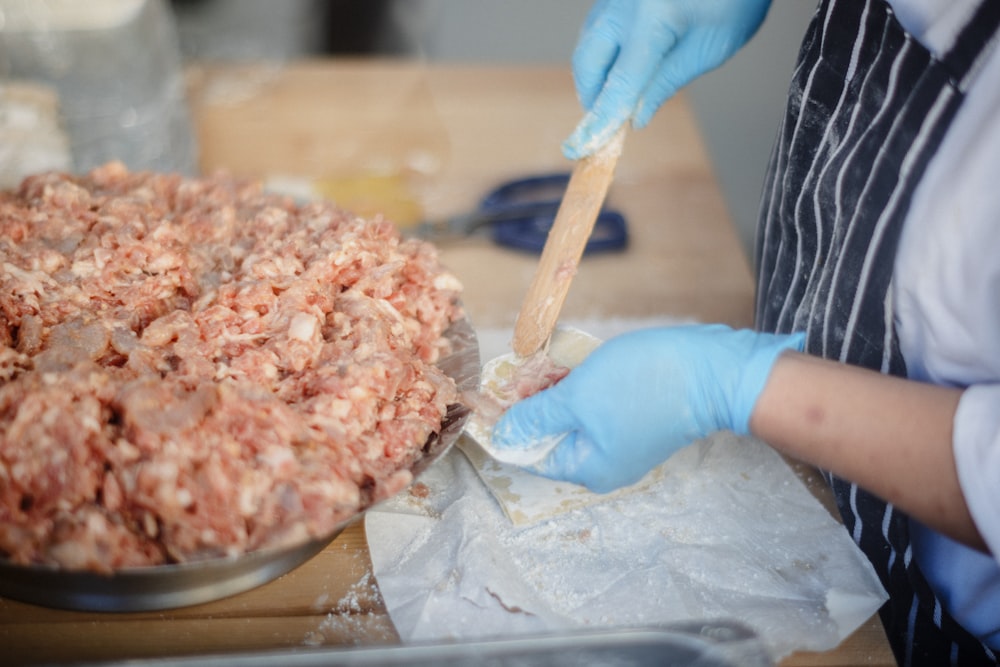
{"x":725,"y":530}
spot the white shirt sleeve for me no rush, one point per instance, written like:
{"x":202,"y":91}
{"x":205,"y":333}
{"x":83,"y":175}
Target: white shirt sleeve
{"x":946,"y":292}
{"x":966,"y":580}
{"x":946,"y":301}
{"x":976,"y":442}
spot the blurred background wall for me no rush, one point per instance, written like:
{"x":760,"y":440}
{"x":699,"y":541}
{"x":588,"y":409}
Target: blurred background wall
{"x":738,"y":106}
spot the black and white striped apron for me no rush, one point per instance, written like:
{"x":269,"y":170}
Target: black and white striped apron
{"x":867,"y":108}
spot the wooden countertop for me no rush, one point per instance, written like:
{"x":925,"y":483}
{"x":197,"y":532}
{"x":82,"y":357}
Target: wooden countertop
{"x":429,"y":140}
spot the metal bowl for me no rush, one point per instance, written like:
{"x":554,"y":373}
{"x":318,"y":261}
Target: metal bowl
{"x":184,"y":584}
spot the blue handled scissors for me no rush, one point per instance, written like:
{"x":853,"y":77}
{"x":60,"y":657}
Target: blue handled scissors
{"x":520,"y":213}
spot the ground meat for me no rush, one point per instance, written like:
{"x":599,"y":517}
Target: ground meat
{"x":509,"y":379}
{"x":193,"y":368}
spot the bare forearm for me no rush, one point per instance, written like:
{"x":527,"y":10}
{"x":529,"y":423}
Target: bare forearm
{"x":891,"y":436}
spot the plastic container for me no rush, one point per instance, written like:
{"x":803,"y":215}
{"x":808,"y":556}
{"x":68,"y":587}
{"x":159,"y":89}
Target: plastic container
{"x":115,"y":68}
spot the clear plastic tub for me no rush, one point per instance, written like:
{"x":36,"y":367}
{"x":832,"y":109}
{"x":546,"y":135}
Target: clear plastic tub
{"x":115,"y":68}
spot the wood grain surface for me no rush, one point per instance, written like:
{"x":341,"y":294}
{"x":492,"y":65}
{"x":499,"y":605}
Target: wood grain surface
{"x":432,"y":139}
{"x":574,"y":221}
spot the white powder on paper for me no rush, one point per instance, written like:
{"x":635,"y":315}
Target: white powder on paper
{"x":727,"y":533}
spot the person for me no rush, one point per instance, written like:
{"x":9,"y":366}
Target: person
{"x":875,"y":354}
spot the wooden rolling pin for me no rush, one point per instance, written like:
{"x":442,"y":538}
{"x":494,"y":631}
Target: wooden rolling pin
{"x":581,"y":204}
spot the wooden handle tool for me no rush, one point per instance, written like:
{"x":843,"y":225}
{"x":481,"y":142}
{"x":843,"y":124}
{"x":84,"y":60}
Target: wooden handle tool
{"x":564,"y":246}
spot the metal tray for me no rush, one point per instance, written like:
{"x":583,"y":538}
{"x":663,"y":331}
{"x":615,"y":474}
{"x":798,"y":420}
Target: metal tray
{"x":185,"y":584}
{"x":718,"y":643}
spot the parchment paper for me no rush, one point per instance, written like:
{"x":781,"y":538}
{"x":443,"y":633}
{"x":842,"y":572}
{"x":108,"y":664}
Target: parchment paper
{"x":723,"y":530}
{"x":526,"y":498}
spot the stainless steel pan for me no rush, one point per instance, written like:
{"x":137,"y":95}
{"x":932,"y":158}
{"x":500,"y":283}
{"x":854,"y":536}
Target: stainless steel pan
{"x":183,"y":584}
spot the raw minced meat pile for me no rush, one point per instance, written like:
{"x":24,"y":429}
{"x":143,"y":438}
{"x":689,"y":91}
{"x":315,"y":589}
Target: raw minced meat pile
{"x":194,"y":368}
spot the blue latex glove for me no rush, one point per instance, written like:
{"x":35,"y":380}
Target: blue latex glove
{"x":633,"y":55}
{"x":640,"y":397}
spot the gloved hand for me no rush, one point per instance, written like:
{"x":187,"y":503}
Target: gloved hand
{"x":634,"y":54}
{"x":640,"y":397}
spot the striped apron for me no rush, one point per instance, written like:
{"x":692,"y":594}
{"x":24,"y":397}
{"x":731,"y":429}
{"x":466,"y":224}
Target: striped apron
{"x":867,"y":108}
